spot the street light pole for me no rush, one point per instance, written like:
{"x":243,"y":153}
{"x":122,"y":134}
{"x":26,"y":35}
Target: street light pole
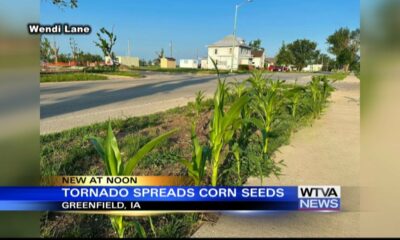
{"x":234,"y":31}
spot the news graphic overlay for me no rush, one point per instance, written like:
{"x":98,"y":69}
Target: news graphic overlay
{"x":127,"y":195}
{"x":319,"y":198}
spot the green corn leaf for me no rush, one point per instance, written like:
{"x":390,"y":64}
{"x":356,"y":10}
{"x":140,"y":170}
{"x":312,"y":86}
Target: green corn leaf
{"x":187,"y":164}
{"x":140,"y":230}
{"x":109,"y":151}
{"x":131,"y":164}
{"x":236,"y":151}
{"x":98,"y":144}
{"x":192,"y":173}
{"x":234,"y":111}
{"x":117,"y":153}
{"x":257,"y":122}
{"x":198,"y":153}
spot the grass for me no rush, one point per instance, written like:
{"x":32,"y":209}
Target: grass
{"x":133,"y":74}
{"x":85,"y":76}
{"x":64,"y":77}
{"x":337,"y":76}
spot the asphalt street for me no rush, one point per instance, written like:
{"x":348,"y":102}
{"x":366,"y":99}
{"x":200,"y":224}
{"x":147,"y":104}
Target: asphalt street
{"x":66,"y":105}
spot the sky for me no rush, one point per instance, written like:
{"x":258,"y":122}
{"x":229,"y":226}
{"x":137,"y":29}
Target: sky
{"x":191,"y":25}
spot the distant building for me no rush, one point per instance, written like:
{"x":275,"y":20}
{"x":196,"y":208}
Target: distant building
{"x":189,"y":63}
{"x":258,"y":58}
{"x":270,"y":62}
{"x":204,"y":63}
{"x":313,"y":68}
{"x":128,"y":61}
{"x":221,"y":52}
{"x":124,"y":60}
{"x":167,"y":62}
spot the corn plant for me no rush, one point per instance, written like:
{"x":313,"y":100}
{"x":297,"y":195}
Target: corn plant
{"x":316,"y":97}
{"x":236,"y":153}
{"x":198,"y":102}
{"x":294,"y":95}
{"x":237,"y":88}
{"x":223,"y":124}
{"x":242,"y":137}
{"x":200,"y":155}
{"x":327,"y":88}
{"x":266,"y":104}
{"x":109,"y":152}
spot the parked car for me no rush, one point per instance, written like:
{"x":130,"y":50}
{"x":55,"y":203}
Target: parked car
{"x":278,"y":69}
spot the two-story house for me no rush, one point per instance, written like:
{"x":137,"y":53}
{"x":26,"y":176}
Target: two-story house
{"x":221,"y":53}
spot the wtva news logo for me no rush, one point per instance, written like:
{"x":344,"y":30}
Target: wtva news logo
{"x":319,"y":198}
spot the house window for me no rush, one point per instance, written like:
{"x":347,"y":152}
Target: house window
{"x":230,"y":50}
{"x":216,"y":51}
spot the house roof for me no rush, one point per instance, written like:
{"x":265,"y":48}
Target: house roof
{"x":228,"y":41}
{"x":169,"y":58}
{"x":257,"y":53}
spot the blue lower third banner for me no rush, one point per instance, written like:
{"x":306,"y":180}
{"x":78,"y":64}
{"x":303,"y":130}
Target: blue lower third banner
{"x":164,"y":198}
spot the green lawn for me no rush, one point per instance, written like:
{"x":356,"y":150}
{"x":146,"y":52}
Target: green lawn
{"x":73,"y":76}
{"x":133,"y":74}
{"x":64,"y":77}
{"x":337,"y":76}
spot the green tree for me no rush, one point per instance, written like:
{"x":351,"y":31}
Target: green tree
{"x":328,"y":64}
{"x":255,"y":45}
{"x":45,"y":50}
{"x":345,"y":45}
{"x":160,"y":55}
{"x":303,"y":51}
{"x":83,"y":58}
{"x":142,"y":62}
{"x":66,"y":3}
{"x":74,"y":48}
{"x":284,"y":56}
{"x":65,"y":58}
{"x":106,"y":42}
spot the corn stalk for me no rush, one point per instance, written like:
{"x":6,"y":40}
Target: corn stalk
{"x":200,"y":155}
{"x":223,"y":124}
{"x":109,"y":152}
{"x":266,"y":102}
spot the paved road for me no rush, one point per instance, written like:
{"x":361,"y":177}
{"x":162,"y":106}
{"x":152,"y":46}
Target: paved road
{"x":72,"y":104}
{"x":327,"y":153}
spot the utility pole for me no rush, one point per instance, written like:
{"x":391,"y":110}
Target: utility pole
{"x":129,"y":48}
{"x":234,"y":32}
{"x":170,"y":49}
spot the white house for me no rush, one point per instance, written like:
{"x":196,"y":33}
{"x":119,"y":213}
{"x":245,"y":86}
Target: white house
{"x":188,"y":63}
{"x":313,"y":68}
{"x":221,"y":52}
{"x":258,"y":58}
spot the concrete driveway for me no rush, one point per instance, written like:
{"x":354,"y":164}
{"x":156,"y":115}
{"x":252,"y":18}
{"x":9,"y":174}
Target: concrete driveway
{"x":73,"y":104}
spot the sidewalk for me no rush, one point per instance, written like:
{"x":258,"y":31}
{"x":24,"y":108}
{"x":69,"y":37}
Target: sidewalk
{"x":328,"y":153}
